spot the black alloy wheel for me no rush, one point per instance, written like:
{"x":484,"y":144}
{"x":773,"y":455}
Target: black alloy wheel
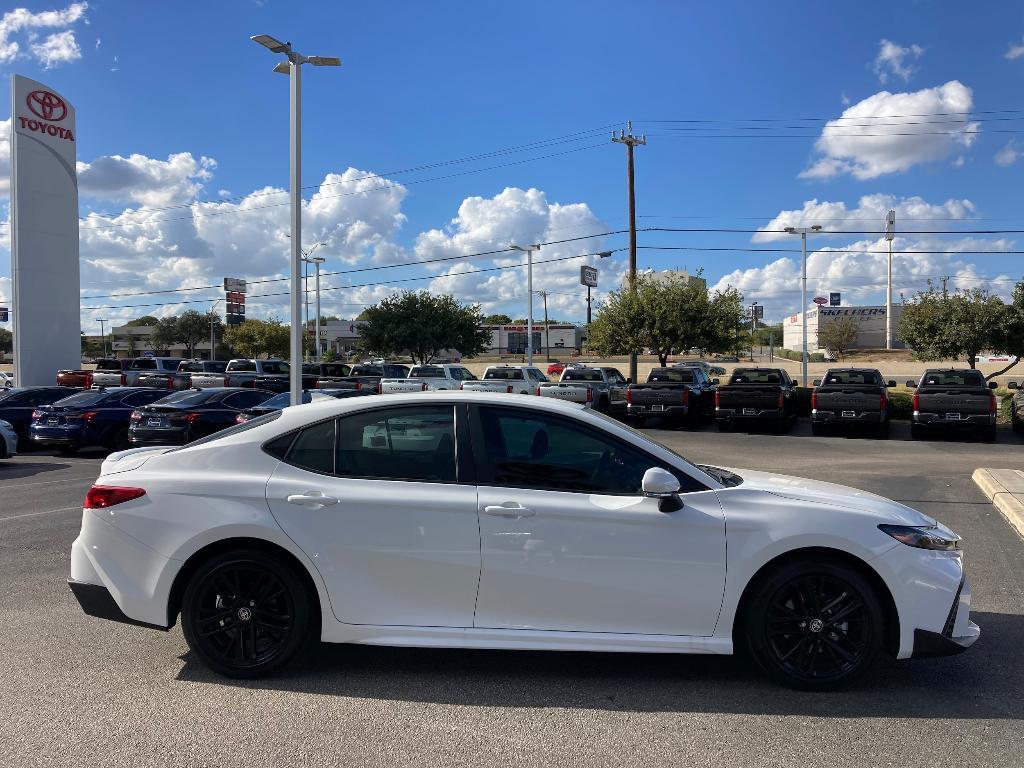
{"x":245,"y":614}
{"x":814,"y":625}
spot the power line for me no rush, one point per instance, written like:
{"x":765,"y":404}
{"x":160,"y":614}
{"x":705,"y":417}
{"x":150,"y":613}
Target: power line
{"x":822,"y":250}
{"x":841,"y":117}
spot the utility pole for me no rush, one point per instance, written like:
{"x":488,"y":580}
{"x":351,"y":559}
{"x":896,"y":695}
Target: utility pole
{"x":103,"y":335}
{"x":547,"y":329}
{"x":945,"y":293}
{"x":213,"y":342}
{"x":753,"y":327}
{"x":890,"y":233}
{"x":627,"y":138}
{"x":802,"y":231}
{"x":528,"y":250}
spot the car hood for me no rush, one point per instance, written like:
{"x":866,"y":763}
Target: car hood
{"x":832,"y":495}
{"x":133,"y":458}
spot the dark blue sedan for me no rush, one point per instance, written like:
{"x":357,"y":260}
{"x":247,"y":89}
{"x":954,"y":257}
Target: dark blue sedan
{"x":190,"y":414}
{"x":90,"y":417}
{"x":18,"y":403}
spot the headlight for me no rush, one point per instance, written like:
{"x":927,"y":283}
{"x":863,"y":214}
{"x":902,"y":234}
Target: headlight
{"x":923,"y":536}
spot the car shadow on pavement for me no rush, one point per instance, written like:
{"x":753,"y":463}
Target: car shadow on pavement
{"x":15,"y":469}
{"x":983,"y":683}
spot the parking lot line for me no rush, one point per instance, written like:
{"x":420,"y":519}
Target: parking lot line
{"x":36,"y":514}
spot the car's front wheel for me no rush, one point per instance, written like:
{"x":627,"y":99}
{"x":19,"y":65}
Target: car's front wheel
{"x":814,"y":624}
{"x":245,"y":613}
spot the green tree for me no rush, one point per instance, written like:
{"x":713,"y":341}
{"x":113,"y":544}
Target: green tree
{"x":839,"y":336}
{"x":765,"y":334}
{"x":165,"y":333}
{"x":960,"y":326}
{"x":193,"y":327}
{"x":498,"y":319}
{"x":423,"y":325}
{"x":258,"y":338}
{"x":142,"y":321}
{"x":664,"y":316}
{"x":6,"y":341}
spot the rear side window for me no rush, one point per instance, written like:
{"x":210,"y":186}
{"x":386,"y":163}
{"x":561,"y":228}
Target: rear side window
{"x":413,"y":443}
{"x":313,"y":448}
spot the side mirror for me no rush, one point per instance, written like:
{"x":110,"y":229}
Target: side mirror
{"x":890,"y":383}
{"x":661,"y":484}
{"x":629,"y":381}
{"x":993,"y":385}
{"x":715,"y":381}
{"x":1012,"y":385}
{"x":816,"y":382}
{"x":911,"y":384}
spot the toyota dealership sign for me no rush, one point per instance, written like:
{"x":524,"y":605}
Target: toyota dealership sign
{"x":44,"y":232}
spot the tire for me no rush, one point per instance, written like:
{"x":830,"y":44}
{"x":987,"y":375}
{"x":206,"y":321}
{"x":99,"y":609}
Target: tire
{"x":817,"y":429}
{"x":68,"y":450}
{"x":120,"y":441}
{"x":882,"y":431}
{"x":813,"y":624}
{"x":916,"y":433}
{"x":989,"y":434}
{"x":258,"y":608}
{"x":723,"y":425}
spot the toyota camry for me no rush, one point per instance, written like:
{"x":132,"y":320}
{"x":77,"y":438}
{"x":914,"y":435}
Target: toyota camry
{"x":475,"y":520}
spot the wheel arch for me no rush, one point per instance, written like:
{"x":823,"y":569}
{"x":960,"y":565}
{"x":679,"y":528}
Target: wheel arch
{"x":890,"y":615}
{"x":200,"y":556}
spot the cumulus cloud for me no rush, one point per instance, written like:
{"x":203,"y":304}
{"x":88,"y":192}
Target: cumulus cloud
{"x":145,"y":180}
{"x":1015,"y":51}
{"x":896,"y":61}
{"x":1009,"y":154}
{"x":912,"y":213}
{"x":873,"y":137}
{"x":5,"y":156}
{"x":56,"y":48}
{"x":522,"y":217}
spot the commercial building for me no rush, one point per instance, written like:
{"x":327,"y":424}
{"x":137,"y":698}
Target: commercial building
{"x":511,"y":339}
{"x":870,"y":327}
{"x":137,"y":341}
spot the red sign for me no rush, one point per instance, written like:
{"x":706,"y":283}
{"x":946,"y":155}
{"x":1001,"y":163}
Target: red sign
{"x":47,"y":105}
{"x":236,"y":298}
{"x":820,"y":300}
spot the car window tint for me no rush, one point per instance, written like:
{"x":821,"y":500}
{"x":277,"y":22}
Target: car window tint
{"x":753,"y":376}
{"x":214,"y":366}
{"x":373,"y":370}
{"x":503,"y":373}
{"x":189,"y":397}
{"x":581,"y":374}
{"x":136,"y":399}
{"x":241,"y":365}
{"x":80,"y":400}
{"x":427,"y":372}
{"x":247,"y":399}
{"x":673,"y":374}
{"x":954,"y":379}
{"x":144,"y":364}
{"x":545,"y":452}
{"x":313,"y":448}
{"x":413,"y":443}
{"x":275,"y":367}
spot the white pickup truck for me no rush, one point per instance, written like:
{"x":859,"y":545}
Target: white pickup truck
{"x":262,"y":374}
{"x":600,"y":388}
{"x":141,"y":366}
{"x":510,"y":379}
{"x":423,"y":378}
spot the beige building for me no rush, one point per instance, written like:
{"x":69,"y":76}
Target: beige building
{"x":870,"y":327}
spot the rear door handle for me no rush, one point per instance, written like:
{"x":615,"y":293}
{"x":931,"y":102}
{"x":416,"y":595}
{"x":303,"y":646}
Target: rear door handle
{"x":312,"y":499}
{"x":509,"y":509}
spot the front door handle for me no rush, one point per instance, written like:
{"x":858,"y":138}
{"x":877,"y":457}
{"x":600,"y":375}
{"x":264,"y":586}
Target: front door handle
{"x":509,"y":509}
{"x":312,"y":499}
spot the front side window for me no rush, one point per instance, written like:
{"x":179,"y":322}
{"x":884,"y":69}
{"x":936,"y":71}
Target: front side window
{"x":414,"y":443}
{"x":275,"y":368}
{"x":544,"y":452}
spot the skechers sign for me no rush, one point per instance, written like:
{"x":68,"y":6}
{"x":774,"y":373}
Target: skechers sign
{"x":50,"y":109}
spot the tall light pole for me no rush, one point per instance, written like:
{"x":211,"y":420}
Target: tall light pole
{"x":317,"y":260}
{"x":293,"y":68}
{"x":802,"y":231}
{"x":307,"y":258}
{"x":601,"y":255}
{"x":103,"y":334}
{"x":528,"y":250}
{"x":890,"y":233}
{"x":213,"y":341}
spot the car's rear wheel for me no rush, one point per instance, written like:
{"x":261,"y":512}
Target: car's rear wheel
{"x":814,"y":624}
{"x":245,"y":614}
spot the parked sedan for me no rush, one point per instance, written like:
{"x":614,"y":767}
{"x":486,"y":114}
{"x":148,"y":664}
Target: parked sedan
{"x":480,"y":520}
{"x":18,"y":403}
{"x":191,"y":414}
{"x":284,"y":399}
{"x":8,"y":441}
{"x":90,"y":417}
{"x":6,"y":380}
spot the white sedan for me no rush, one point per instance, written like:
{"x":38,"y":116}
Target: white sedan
{"x":476,"y":520}
{"x":8,"y":440}
{"x":6,"y":380}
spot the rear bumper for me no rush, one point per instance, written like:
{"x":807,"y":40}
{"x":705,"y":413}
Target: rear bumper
{"x":177,"y":438}
{"x":736,"y":414}
{"x":654,"y":409}
{"x":97,"y":601}
{"x":836,"y":417}
{"x":939,"y":420}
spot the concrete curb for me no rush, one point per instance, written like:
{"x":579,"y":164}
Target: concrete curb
{"x":1005,"y":489}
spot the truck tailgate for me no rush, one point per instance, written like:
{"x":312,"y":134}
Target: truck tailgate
{"x":647,"y":394}
{"x":849,"y":399}
{"x":575,"y":393}
{"x":954,"y":401}
{"x":760,"y":398}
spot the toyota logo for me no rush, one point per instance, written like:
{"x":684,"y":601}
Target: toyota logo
{"x":47,"y":105}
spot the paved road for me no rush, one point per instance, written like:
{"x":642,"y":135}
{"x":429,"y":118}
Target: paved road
{"x":83,"y":692}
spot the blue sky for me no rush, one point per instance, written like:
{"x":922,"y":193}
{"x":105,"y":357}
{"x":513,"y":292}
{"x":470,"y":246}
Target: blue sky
{"x":182,"y":133}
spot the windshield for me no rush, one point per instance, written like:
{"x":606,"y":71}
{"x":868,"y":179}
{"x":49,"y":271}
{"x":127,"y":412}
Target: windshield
{"x":83,"y":399}
{"x":427,"y":372}
{"x":953,"y":379}
{"x":576,"y":374}
{"x":664,"y":374}
{"x":503,"y":373}
{"x":754,"y":376}
{"x":853,"y":377}
{"x":275,"y":367}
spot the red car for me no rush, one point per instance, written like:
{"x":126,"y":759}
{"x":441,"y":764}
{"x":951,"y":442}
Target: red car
{"x":555,"y":369}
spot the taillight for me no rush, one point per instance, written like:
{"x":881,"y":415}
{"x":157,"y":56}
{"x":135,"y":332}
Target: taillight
{"x":241,"y":418}
{"x":686,"y":396}
{"x":88,"y":380}
{"x":629,"y":396}
{"x":90,"y":415}
{"x":814,"y":401}
{"x":993,"y":405}
{"x":136,"y":416}
{"x":718,"y":399}
{"x":462,"y":385}
{"x":590,"y":395}
{"x":170,"y":382}
{"x":883,"y":402}
{"x":359,"y":385}
{"x":916,"y":402}
{"x":538,"y":391}
{"x":227,"y":382}
{"x":782,"y":401}
{"x":423,"y":387}
{"x":103,"y":496}
{"x":124,"y":379}
{"x":37,"y":414}
{"x":508,"y":389}
{"x":192,"y":417}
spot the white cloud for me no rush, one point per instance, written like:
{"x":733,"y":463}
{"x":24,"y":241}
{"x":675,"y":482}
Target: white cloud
{"x":145,"y":180}
{"x":1009,"y":154}
{"x":912,"y":213}
{"x":56,"y":48}
{"x":863,"y":143}
{"x":5,"y":157}
{"x":1015,"y":51}
{"x":896,"y":61}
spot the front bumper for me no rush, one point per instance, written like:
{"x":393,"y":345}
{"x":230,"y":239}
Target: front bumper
{"x":957,"y":634}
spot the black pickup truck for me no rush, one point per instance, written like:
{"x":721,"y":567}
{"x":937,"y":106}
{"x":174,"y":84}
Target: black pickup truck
{"x":368,"y":375}
{"x":756,"y":396}
{"x":851,"y":397}
{"x":682,"y":395}
{"x":954,"y":399}
{"x":181,"y":378}
{"x":327,"y":374}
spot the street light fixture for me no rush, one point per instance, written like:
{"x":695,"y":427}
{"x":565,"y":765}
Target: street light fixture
{"x":293,"y":69}
{"x":802,"y":231}
{"x":528,"y":250}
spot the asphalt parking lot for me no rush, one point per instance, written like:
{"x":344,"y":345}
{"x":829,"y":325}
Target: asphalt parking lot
{"x":85,"y":692}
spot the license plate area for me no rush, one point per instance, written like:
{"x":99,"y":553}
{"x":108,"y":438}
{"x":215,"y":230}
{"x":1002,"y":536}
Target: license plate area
{"x":849,"y":414}
{"x":658,"y":407}
{"x":953,"y":416}
{"x":749,"y":411}
{"x":53,"y":421}
{"x":154,"y":422}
